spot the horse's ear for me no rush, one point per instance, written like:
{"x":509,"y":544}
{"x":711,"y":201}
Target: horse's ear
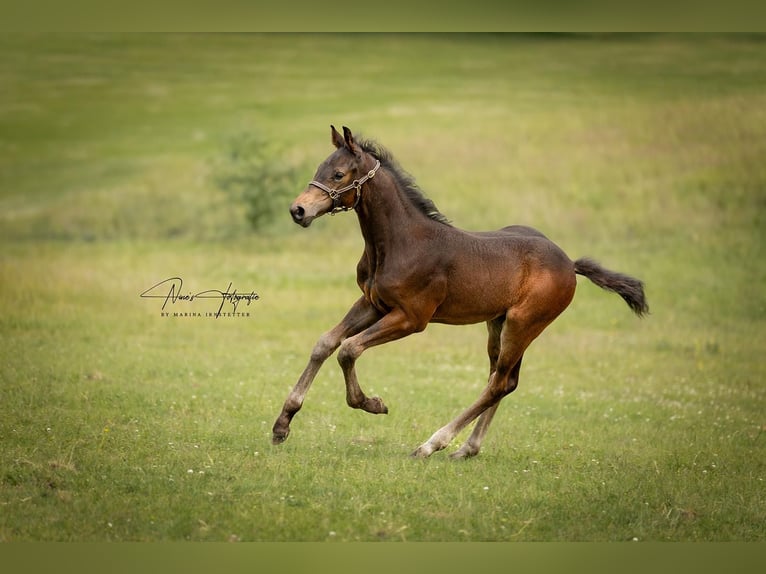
{"x":337,"y":139}
{"x":350,"y":143}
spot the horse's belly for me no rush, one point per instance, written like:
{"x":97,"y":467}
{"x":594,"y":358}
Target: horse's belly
{"x":467,"y":312}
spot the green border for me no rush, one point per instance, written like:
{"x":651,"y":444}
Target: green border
{"x":382,"y":16}
{"x":382,"y":558}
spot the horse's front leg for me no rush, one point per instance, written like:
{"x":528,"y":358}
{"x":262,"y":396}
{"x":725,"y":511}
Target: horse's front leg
{"x":395,"y":325}
{"x":358,"y":318}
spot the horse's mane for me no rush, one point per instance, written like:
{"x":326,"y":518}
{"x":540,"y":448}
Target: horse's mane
{"x":404,"y":180}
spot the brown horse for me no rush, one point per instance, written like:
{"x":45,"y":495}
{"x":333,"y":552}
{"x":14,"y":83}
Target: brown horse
{"x":417,"y":268}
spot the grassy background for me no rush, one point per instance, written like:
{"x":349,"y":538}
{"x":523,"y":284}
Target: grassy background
{"x":117,"y":424}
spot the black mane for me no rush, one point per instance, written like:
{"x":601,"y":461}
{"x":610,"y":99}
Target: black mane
{"x":405,"y":181}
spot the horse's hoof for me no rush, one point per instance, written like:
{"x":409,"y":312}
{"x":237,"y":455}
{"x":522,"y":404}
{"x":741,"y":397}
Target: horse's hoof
{"x":420,"y":452}
{"x":463,"y":454}
{"x":376,"y":406}
{"x":279,"y":437}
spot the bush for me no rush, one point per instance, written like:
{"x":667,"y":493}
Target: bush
{"x":254,"y":171}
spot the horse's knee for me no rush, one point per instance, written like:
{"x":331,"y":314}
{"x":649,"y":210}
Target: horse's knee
{"x":324,"y":347}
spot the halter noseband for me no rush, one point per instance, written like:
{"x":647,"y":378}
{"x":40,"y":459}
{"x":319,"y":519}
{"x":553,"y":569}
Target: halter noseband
{"x":336,"y":193}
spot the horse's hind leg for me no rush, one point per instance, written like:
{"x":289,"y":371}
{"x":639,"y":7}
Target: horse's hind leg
{"x":358,"y":318}
{"x":473,"y":444}
{"x":514,"y":339}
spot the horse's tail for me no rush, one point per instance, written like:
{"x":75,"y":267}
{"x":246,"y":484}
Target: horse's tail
{"x":627,"y":287}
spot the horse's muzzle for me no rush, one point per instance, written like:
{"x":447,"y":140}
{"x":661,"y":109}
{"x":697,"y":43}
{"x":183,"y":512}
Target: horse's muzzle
{"x":299,"y":216}
{"x":297,"y":212}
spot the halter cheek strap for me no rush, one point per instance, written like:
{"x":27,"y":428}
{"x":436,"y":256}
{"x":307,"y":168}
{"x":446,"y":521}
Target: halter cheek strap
{"x":336,"y":193}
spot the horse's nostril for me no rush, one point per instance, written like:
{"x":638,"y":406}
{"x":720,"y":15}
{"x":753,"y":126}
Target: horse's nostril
{"x":297,"y":212}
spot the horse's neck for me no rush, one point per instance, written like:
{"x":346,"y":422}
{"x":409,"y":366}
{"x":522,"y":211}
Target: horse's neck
{"x":388,"y":219}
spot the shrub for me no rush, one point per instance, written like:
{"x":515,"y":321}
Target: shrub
{"x":254,"y":171}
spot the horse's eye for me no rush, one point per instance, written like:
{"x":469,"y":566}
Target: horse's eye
{"x":338,"y":176}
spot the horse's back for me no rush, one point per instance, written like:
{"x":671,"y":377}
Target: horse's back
{"x":511,"y":230}
{"x":521,"y":242}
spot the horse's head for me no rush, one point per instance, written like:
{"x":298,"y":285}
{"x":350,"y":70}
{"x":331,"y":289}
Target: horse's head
{"x":337,"y":184}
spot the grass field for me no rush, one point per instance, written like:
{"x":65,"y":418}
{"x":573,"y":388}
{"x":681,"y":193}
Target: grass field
{"x":647,"y":153}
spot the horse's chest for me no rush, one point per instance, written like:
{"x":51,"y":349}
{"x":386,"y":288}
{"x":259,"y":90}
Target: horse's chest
{"x":376,"y":296}
{"x":367,"y":276}
{"x":380,"y":280}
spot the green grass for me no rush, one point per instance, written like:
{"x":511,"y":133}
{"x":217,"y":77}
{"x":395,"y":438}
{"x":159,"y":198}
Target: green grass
{"x":118,"y":424}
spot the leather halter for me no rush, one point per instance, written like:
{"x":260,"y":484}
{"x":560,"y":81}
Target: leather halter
{"x":336,"y":193}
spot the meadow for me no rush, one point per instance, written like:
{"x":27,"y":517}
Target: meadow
{"x":117,"y":423}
